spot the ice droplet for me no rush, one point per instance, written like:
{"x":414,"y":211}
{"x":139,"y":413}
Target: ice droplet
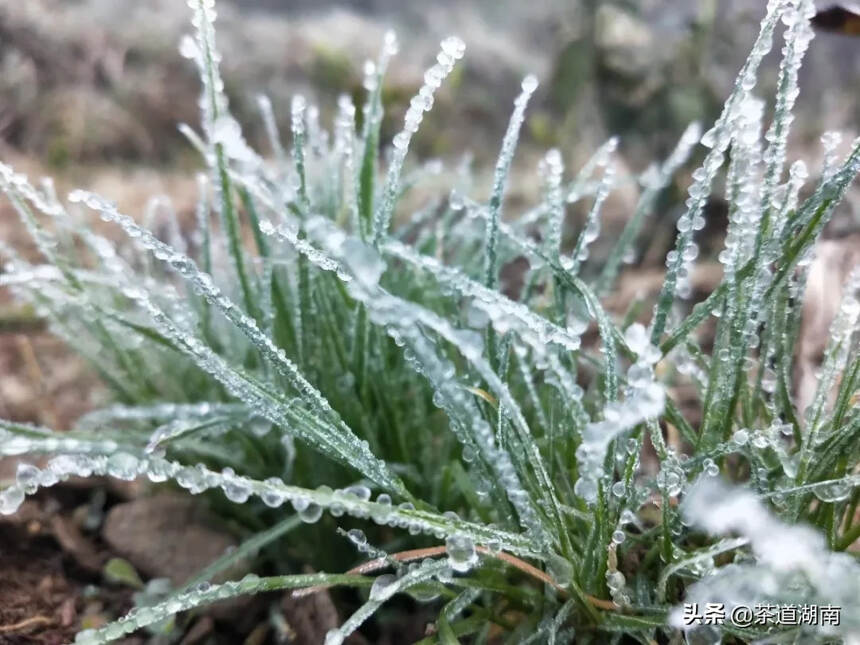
{"x":27,"y":477}
{"x":363,"y":261}
{"x":123,"y":466}
{"x":235,"y":489}
{"x":358,"y":490}
{"x":188,"y":47}
{"x":357,"y":537}
{"x":832,"y":491}
{"x":311,"y":513}
{"x":530,"y":83}
{"x":333,"y":637}
{"x":462,"y":555}
{"x":381,"y":588}
{"x":271,"y":496}
{"x":10,"y":499}
{"x":559,"y":569}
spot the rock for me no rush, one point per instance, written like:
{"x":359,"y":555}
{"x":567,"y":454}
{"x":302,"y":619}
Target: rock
{"x":625,"y":41}
{"x":166,"y":536}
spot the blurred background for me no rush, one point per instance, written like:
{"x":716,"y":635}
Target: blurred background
{"x":100,"y":81}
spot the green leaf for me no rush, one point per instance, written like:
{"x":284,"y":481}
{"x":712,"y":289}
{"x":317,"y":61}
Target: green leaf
{"x":120,"y":571}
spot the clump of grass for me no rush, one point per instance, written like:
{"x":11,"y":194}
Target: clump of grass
{"x":319,"y":346}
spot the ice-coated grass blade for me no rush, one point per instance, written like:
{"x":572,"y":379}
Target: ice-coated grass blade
{"x":144,"y":616}
{"x":718,"y":139}
{"x":500,"y":179}
{"x":99,"y":458}
{"x":451,"y":51}
{"x":365,"y":341}
{"x":214,"y":110}
{"x":654,"y":184}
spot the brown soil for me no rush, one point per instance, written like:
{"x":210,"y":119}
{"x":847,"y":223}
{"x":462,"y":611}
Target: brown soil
{"x":51,"y":570}
{"x":39,"y":603}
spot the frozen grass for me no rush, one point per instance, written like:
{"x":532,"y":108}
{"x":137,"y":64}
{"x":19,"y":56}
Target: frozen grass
{"x":320,"y":346}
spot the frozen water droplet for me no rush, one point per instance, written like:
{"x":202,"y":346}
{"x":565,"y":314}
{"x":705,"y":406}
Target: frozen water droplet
{"x":273,"y":497}
{"x":235,"y":489}
{"x":559,"y":569}
{"x":188,"y":47}
{"x":357,"y":537}
{"x":86,"y":637}
{"x":462,"y":555}
{"x":311,"y":513}
{"x":670,"y":479}
{"x":27,"y":477}
{"x":11,"y":499}
{"x":123,"y":466}
{"x":453,"y":47}
{"x":390,"y":44}
{"x":530,"y":83}
{"x":710,"y":468}
{"x":740,"y":437}
{"x":358,"y":490}
{"x":759,"y":440}
{"x":615,"y":580}
{"x":300,"y":503}
{"x":381,"y":588}
{"x":833,"y":491}
{"x":259,"y":426}
{"x":586,"y":488}
{"x":365,"y":263}
{"x":333,"y":637}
